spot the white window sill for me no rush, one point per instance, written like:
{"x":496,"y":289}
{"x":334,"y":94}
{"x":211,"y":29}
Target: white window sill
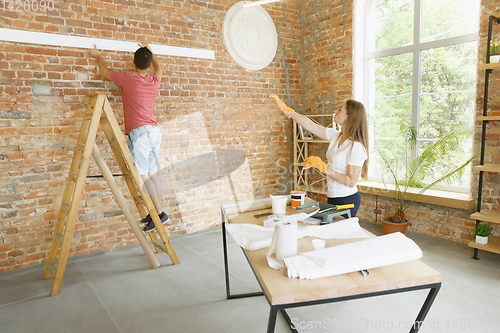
{"x":433,"y":197}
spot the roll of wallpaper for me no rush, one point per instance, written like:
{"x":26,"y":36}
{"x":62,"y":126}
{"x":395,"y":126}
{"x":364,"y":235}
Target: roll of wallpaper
{"x":284,"y":243}
{"x":375,"y":252}
{"x":286,"y":240}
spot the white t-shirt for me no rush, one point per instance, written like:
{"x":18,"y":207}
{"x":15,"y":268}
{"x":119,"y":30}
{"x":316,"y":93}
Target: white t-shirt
{"x":338,"y":158}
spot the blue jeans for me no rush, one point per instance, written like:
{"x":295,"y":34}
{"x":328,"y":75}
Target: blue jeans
{"x":350,"y":199}
{"x":144,"y":144}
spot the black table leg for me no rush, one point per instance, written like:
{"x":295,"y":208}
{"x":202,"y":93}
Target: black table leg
{"x":224,"y":249}
{"x":271,"y":324}
{"x":425,"y":309}
{"x":289,"y":321}
{"x":226,"y":265}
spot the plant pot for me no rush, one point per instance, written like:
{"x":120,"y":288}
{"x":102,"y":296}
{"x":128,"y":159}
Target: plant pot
{"x":389,"y":227}
{"x":481,"y":240}
{"x":494,"y":58}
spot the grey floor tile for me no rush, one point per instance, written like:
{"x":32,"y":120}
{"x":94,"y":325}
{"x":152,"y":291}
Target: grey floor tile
{"x":31,"y":284}
{"x":28,"y":285}
{"x":207,"y":241}
{"x":237,"y":264}
{"x":77,"y":309}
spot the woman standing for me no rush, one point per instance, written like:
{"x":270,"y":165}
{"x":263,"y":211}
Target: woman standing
{"x":347,"y":153}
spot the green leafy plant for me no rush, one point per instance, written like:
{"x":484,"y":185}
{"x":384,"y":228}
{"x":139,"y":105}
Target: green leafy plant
{"x":406,"y":174}
{"x":483,"y":230}
{"x":494,"y":48}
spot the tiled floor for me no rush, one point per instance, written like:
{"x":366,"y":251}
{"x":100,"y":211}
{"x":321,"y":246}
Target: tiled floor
{"x":117,"y":291}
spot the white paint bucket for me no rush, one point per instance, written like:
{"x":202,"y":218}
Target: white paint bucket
{"x":278,"y":203}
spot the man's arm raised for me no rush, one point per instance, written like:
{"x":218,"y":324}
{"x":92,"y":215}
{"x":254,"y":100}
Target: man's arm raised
{"x":100,"y":63}
{"x":156,"y":64}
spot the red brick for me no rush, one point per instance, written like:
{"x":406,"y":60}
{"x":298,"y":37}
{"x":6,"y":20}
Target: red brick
{"x":15,"y":253}
{"x":5,"y":247}
{"x":41,"y":50}
{"x":6,"y":265}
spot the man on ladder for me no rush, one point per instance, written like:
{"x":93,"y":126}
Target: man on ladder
{"x":139,"y":91}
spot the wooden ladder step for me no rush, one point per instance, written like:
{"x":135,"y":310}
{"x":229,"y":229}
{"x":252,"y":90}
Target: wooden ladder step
{"x":66,"y":207}
{"x":140,"y":200}
{"x":80,"y":146}
{"x":73,"y":177}
{"x":160,"y":245}
{"x":52,"y":268}
{"x":59,"y":237}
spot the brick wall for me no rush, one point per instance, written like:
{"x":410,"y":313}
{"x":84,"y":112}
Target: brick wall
{"x":328,"y":67}
{"x":328,"y":34}
{"x":210,"y":112}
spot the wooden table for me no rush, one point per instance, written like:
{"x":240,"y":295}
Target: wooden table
{"x":283,"y":292}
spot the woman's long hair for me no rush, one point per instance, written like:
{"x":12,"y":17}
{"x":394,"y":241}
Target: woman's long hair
{"x":356,"y":128}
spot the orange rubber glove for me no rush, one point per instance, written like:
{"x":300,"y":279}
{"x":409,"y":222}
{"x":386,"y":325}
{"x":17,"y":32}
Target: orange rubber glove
{"x":315,"y":161}
{"x":282,"y":106}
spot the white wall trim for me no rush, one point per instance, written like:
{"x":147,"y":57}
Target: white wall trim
{"x":42,"y":38}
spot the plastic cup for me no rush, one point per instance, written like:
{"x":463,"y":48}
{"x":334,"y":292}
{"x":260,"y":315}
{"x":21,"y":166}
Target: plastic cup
{"x":318,"y":244}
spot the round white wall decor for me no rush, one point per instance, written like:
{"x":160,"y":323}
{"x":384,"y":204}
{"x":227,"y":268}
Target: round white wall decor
{"x":250,"y":36}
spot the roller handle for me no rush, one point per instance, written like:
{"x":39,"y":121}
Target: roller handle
{"x":339,"y":207}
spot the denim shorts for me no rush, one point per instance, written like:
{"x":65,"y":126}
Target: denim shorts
{"x":144,"y":144}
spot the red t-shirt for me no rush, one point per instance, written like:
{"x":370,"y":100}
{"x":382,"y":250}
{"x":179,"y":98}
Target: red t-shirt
{"x":139,"y":96}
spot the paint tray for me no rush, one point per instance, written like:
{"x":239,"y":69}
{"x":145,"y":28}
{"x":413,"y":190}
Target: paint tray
{"x":328,"y":216}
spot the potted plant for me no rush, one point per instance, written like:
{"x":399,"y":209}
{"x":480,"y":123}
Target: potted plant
{"x":405,"y":174}
{"x":482,"y":233}
{"x":494,"y":50}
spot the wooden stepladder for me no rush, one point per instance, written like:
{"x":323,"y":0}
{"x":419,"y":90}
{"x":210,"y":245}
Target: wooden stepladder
{"x":99,"y":112}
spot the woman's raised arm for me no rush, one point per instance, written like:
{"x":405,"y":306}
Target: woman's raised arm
{"x":305,"y":122}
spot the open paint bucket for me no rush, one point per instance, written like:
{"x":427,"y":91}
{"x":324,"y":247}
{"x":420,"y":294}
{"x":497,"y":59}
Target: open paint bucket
{"x":278,"y":203}
{"x":298,"y":198}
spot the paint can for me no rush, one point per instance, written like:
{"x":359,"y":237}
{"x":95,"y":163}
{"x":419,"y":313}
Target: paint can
{"x":298,"y":197}
{"x":278,"y":204}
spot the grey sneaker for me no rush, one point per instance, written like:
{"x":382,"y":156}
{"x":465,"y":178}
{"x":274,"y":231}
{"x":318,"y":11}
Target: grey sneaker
{"x":163,"y":217}
{"x":151,"y":226}
{"x":147,"y":219}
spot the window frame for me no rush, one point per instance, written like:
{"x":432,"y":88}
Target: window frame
{"x":362,"y":56}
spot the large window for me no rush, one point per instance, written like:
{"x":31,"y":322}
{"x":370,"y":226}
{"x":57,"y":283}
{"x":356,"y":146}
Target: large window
{"x":419,"y":68}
